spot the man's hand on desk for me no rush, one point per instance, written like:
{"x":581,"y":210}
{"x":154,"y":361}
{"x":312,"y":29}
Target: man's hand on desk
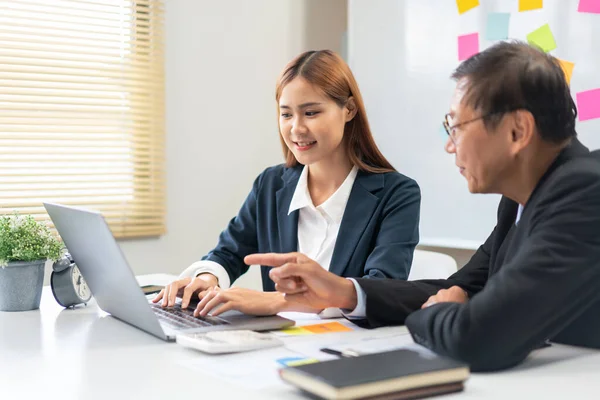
{"x":185,"y":288}
{"x":453,"y":295}
{"x":305,"y":282}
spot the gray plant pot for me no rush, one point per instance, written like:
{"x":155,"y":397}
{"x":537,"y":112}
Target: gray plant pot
{"x":21,"y":285}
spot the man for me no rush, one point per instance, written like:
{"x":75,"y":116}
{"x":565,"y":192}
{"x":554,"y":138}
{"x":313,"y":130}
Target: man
{"x":511,"y":128}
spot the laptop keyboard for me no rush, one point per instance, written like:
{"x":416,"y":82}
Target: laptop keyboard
{"x":184,"y":318}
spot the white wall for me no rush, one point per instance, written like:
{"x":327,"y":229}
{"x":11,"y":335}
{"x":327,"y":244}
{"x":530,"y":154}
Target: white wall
{"x":223,"y":58}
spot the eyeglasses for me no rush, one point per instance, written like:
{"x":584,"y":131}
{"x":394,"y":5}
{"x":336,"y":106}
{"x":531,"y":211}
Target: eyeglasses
{"x":451,"y":129}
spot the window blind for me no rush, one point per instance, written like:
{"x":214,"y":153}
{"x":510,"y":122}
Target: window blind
{"x":82,"y":110}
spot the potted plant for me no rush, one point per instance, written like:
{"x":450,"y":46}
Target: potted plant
{"x":25,"y":245}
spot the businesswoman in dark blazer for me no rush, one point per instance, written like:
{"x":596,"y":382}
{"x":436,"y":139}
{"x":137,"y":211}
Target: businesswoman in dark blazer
{"x":336,"y":198}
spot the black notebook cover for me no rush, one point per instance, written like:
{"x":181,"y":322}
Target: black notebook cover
{"x":378,"y":367}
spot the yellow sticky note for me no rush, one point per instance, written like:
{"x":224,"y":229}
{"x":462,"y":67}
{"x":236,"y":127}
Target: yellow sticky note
{"x":528,"y":5}
{"x":327,"y":327}
{"x":304,"y":361}
{"x":567,"y":68}
{"x":466,"y":5}
{"x":296,"y":330}
{"x":543,"y":38}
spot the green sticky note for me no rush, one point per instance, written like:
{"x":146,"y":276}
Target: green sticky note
{"x":543,"y":38}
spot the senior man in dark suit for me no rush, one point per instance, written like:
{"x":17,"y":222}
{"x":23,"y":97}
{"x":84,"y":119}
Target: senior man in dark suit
{"x":536,"y":278}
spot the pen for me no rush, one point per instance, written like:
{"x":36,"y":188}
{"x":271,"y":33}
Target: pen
{"x":345,"y":353}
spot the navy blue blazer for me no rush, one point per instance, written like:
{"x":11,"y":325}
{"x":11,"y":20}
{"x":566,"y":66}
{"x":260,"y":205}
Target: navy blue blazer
{"x":377,"y":236}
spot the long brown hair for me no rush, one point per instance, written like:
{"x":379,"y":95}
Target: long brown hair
{"x":330,"y":73}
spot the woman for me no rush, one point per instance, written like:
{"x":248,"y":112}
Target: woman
{"x":336,"y":199}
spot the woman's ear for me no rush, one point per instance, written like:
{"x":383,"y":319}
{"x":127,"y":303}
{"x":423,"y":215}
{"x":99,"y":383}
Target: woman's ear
{"x":350,"y":109}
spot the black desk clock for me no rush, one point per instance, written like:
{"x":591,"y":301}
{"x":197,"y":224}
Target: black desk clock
{"x":68,"y":286}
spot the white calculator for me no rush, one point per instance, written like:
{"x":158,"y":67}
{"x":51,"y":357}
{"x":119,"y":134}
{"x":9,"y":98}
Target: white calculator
{"x":218,"y":342}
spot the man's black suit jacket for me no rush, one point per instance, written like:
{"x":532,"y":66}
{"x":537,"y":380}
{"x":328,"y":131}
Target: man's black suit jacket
{"x":528,"y":283}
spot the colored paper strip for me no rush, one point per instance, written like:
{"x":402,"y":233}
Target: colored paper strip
{"x":589,"y":6}
{"x":497,"y":26}
{"x":588,"y":104}
{"x":468,"y":45}
{"x":466,"y":5}
{"x":296,"y":331}
{"x":567,"y":67}
{"x":543,"y":38}
{"x":528,"y":5}
{"x":327,"y":327}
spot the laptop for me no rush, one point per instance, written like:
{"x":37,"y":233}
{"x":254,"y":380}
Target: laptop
{"x":112,"y":282}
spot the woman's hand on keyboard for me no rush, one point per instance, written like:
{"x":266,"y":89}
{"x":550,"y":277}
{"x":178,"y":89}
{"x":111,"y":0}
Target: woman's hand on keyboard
{"x":216,"y":301}
{"x":185,"y":288}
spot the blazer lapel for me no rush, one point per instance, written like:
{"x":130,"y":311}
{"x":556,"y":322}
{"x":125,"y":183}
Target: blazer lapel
{"x":506,"y":229}
{"x":287,"y":224}
{"x":359,"y":210}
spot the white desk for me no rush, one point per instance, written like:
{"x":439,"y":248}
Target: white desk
{"x":84,"y":354}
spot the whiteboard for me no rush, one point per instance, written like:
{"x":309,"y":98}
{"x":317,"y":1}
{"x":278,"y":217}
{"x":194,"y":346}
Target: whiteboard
{"x":402,"y":53}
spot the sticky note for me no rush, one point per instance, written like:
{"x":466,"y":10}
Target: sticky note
{"x":466,"y":5}
{"x":327,"y":327}
{"x":528,"y":5}
{"x":302,"y":362}
{"x":543,"y":38}
{"x":295,"y":361}
{"x":589,"y":6}
{"x":567,"y":67}
{"x":468,"y":45}
{"x":497,"y":26}
{"x":588,"y":104}
{"x":296,"y":331}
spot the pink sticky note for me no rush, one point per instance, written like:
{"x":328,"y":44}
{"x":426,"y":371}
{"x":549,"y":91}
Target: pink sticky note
{"x":588,"y":104}
{"x":589,"y":6}
{"x":468,"y":45}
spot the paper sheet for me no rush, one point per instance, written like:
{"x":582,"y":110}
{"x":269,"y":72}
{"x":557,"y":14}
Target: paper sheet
{"x":254,"y":369}
{"x":314,"y":329}
{"x":260,"y":369}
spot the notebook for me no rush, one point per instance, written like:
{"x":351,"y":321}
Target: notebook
{"x":398,"y":374}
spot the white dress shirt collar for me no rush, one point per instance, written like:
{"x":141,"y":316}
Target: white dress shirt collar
{"x":334,"y":206}
{"x":519,"y":213}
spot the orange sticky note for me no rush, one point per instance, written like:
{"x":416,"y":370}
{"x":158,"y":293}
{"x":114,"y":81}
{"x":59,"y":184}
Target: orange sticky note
{"x":327,"y":327}
{"x":567,"y":68}
{"x":466,"y":5}
{"x":528,"y":5}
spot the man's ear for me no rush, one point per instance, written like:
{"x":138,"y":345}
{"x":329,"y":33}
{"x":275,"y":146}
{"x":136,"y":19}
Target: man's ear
{"x":351,"y":109}
{"x":523,"y":128}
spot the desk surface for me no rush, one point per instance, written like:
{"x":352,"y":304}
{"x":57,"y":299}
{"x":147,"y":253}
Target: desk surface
{"x":85,"y":354}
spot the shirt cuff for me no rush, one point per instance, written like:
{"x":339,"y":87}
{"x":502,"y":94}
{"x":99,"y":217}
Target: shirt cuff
{"x":207,"y":266}
{"x":330,"y":312}
{"x":360,"y":311}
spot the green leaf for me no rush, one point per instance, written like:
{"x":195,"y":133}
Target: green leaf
{"x":22,"y":238}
